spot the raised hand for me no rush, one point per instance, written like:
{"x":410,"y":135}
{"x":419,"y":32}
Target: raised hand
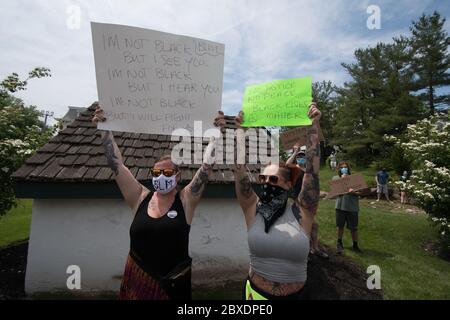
{"x":239,"y":119}
{"x":314,"y":113}
{"x":98,"y":115}
{"x":219,"y":121}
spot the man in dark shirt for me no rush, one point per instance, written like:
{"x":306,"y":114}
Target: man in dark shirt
{"x":382,"y":178}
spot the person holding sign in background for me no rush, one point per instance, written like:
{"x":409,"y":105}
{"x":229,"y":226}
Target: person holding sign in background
{"x":278,"y":243}
{"x":158,"y":265}
{"x":299,"y":157}
{"x":347,"y":210}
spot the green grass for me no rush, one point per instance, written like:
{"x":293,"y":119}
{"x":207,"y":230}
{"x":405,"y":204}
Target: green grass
{"x":389,"y":238}
{"x":393,"y":240}
{"x":15,"y":225}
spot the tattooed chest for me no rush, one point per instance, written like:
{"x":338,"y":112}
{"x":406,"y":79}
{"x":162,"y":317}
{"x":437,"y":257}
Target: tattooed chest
{"x":157,"y":210}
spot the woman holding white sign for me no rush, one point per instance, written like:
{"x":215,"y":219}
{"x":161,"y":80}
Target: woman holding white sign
{"x":158,"y":265}
{"x":278,"y":243}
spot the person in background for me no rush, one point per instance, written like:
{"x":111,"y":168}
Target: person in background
{"x":403,"y":195}
{"x":347,"y":211}
{"x":298,"y":158}
{"x":333,"y":161}
{"x":382,"y":179}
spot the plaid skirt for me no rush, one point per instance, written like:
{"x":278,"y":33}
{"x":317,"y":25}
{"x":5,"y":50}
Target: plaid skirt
{"x":139,"y":285}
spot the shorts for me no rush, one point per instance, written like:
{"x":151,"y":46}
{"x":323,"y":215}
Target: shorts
{"x":333,"y":164}
{"x":382,"y":188}
{"x":347,"y":217}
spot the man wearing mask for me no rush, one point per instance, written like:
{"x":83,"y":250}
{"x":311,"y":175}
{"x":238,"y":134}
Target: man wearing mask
{"x":347,"y":210}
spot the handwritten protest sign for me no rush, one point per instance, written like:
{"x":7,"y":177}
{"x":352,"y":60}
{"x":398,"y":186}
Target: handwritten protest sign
{"x":277,"y":103}
{"x":155,"y":82}
{"x":297,"y":136}
{"x":342,"y":185}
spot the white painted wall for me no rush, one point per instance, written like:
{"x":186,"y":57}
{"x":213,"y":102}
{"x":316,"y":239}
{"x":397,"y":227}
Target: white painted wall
{"x":94,"y":234}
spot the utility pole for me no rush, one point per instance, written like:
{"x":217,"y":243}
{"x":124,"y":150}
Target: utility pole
{"x":46,"y":114}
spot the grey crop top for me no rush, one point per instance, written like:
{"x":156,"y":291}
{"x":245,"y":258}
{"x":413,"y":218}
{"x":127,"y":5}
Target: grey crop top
{"x":281,"y":255}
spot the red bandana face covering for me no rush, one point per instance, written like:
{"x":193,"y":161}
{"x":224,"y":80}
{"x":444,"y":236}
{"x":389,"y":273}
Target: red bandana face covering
{"x":273,"y":200}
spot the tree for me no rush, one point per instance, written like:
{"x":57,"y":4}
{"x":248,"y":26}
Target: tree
{"x":376,"y":102}
{"x":21,"y":133}
{"x":324,"y":93}
{"x":426,"y":146}
{"x":431,"y":60}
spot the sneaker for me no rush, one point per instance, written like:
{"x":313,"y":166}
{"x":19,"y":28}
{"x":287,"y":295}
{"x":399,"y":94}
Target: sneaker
{"x":321,"y":254}
{"x":356,"y":249}
{"x":339,"y":248}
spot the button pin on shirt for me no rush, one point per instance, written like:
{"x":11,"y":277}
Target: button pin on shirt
{"x":172,"y":214}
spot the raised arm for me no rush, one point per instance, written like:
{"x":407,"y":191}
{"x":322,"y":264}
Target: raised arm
{"x":295,"y":151}
{"x":246,"y":197}
{"x":308,"y":198}
{"x":130,"y":188}
{"x":192,"y":193}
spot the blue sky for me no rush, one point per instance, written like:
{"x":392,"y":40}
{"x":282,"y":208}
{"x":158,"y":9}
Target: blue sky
{"x":264,"y":40}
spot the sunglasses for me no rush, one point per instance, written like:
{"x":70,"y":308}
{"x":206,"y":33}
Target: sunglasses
{"x":272,"y":179}
{"x":166,"y":172}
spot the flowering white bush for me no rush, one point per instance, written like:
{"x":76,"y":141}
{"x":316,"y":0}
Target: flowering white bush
{"x":21,"y":132}
{"x":427,"y":145}
{"x":20,"y":136}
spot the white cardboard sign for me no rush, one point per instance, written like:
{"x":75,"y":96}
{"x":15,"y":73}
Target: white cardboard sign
{"x":155,"y":82}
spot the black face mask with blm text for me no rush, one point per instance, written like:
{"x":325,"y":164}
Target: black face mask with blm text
{"x":273,"y":200}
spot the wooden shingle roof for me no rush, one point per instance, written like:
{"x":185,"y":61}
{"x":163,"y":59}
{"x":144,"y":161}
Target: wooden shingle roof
{"x":76,"y":154}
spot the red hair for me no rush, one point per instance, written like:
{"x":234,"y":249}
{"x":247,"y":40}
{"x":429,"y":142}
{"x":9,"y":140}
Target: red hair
{"x":294,"y":171}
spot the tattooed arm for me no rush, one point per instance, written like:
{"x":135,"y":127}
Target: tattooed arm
{"x":132,"y":191}
{"x":295,"y":151}
{"x":308,"y":199}
{"x":192,"y":193}
{"x":247,"y":198}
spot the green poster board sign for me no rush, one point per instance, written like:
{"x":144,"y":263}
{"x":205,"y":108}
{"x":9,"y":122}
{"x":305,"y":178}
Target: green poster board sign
{"x":278,"y":103}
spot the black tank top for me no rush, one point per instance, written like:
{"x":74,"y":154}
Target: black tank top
{"x":160,"y":244}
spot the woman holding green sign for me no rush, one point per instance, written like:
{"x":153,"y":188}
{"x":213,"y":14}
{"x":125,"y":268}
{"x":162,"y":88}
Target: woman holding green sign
{"x":278,"y":243}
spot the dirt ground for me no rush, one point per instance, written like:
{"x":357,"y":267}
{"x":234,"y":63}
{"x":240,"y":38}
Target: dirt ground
{"x":13,"y":260}
{"x":336,"y":278}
